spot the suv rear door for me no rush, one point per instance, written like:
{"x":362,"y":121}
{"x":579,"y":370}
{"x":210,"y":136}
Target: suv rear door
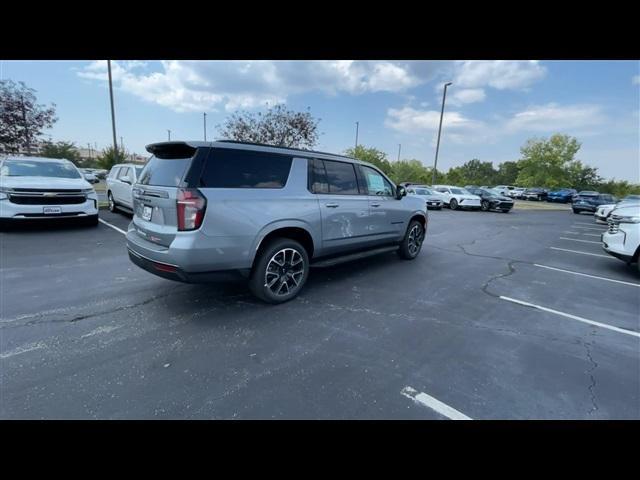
{"x":122,"y":188}
{"x":156,"y":192}
{"x":344,"y":208}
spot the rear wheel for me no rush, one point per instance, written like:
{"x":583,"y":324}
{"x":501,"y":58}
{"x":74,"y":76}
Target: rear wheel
{"x":575,"y":210}
{"x":453,"y":204}
{"x":484,"y":206}
{"x":412,"y":241}
{"x":280,"y":271}
{"x":505,"y":210}
{"x":112,"y":203}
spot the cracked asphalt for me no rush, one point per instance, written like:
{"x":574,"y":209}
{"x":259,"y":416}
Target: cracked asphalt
{"x":86,"y":334}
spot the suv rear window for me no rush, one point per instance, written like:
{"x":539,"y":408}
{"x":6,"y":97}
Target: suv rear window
{"x":164,"y":172}
{"x":231,"y":168}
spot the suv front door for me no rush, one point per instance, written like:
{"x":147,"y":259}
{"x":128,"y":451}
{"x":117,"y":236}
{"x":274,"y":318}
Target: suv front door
{"x":123,"y":189}
{"x":386,"y":216}
{"x":344,"y":209}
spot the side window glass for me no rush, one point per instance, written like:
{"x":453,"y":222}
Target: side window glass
{"x":318,"y":180}
{"x":376,"y":183}
{"x":341,"y":178}
{"x":124,"y":171}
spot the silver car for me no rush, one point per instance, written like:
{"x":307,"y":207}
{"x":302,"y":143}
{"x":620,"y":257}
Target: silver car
{"x":201,"y":208}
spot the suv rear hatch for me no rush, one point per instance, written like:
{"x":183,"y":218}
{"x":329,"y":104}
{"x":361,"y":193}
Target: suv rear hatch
{"x":163,"y":203}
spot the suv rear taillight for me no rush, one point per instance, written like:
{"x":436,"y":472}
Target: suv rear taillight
{"x":191,"y":205}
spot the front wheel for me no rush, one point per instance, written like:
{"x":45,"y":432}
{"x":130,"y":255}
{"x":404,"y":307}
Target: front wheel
{"x":484,"y":206}
{"x":412,"y":241}
{"x":575,"y":211}
{"x":505,"y":210}
{"x":280,"y":271}
{"x":453,"y":204}
{"x":112,"y":203}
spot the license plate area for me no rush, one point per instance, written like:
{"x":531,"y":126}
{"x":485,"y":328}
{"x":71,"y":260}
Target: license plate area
{"x":51,"y":210}
{"x":147,"y":211}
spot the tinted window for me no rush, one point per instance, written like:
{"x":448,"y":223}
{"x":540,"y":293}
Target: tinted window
{"x":227,"y":168}
{"x":376,"y":183}
{"x":341,"y":177}
{"x":164,"y":172}
{"x":317,"y":177}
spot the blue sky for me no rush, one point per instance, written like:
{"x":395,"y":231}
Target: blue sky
{"x":492,"y":108}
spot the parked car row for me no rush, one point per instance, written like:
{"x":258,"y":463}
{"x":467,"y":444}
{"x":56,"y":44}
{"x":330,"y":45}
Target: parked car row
{"x":622,"y":238}
{"x":467,"y":198}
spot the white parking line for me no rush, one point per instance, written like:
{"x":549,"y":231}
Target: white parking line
{"x":573,"y":317}
{"x":434,"y":404}
{"x":582,"y":253}
{"x":589,"y":228}
{"x":585,"y":223}
{"x":578,"y":240}
{"x":112,"y":226}
{"x":592,"y":235}
{"x":23,"y":349}
{"x":587,"y":275}
{"x":566,"y":232}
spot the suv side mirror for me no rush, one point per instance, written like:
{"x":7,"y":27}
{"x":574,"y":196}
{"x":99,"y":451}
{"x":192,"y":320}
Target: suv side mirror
{"x":400,"y":192}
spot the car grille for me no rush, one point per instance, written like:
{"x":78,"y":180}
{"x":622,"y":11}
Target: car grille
{"x":613,"y":223}
{"x":46,"y":197}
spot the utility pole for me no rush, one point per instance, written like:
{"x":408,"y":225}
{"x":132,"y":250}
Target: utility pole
{"x":205,"y":126}
{"x":26,"y":126}
{"x":357,"y":126}
{"x":399,"y":146}
{"x":122,"y":145}
{"x":435,"y":163}
{"x":113,"y":115}
{"x":169,"y":132}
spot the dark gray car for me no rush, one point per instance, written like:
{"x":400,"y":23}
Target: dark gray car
{"x":201,"y":208}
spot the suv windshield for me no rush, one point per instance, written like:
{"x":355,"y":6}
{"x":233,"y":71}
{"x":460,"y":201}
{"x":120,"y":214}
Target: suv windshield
{"x":423,"y":191}
{"x":459,"y":191}
{"x":31,"y":168}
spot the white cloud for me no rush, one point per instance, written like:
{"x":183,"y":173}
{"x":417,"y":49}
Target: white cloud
{"x":498,"y":74}
{"x":467,"y":95}
{"x":198,"y":85}
{"x":553,"y":117}
{"x":635,"y":80}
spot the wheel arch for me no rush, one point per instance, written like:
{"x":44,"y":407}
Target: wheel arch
{"x":293,"y":229}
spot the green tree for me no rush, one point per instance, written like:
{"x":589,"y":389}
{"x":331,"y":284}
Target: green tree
{"x":473,"y":172}
{"x":66,"y":150}
{"x":277,"y":126}
{"x":409,"y":171}
{"x":507,"y":173}
{"x":582,"y":177}
{"x":371,"y":155}
{"x":110,"y":156}
{"x":22,"y":119}
{"x":619,"y":188}
{"x":546,"y":162}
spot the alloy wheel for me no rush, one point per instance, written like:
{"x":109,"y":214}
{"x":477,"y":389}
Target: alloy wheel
{"x":285,"y":271}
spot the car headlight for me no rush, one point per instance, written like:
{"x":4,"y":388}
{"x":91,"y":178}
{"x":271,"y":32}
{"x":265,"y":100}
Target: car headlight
{"x":88,"y":191}
{"x":629,"y":219}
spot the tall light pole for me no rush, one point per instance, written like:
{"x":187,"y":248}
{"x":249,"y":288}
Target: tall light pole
{"x":357,"y":126}
{"x":169,"y":134}
{"x":205,"y":126}
{"x":435,"y":164}
{"x":113,"y":115}
{"x":399,"y":147}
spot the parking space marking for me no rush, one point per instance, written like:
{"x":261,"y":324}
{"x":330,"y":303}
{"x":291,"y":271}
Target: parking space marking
{"x":579,"y":240}
{"x":586,"y":223}
{"x":434,"y":404}
{"x":23,"y":349}
{"x":573,"y":317}
{"x":600,"y":229}
{"x":583,"y":253}
{"x":112,"y":226}
{"x":582,"y":233}
{"x":587,"y":275}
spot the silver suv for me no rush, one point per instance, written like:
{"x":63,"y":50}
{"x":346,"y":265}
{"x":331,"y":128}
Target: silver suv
{"x":201,"y":208}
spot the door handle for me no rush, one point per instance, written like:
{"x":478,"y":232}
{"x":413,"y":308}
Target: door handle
{"x":332,"y":205}
{"x":375,"y":204}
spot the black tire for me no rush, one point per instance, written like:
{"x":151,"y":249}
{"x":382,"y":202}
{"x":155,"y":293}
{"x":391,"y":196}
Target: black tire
{"x":271,"y":251}
{"x":506,"y":210}
{"x":484,"y":206}
{"x":113,"y":208}
{"x":453,"y":204}
{"x":412,"y":241}
{"x":576,"y":211}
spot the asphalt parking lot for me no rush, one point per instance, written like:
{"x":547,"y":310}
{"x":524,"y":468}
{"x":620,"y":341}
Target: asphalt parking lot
{"x":502,"y":316}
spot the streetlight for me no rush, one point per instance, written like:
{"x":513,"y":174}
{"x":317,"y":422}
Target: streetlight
{"x":399,"y":147}
{"x":435,"y":164}
{"x":357,"y":125}
{"x":205,"y":126}
{"x":113,"y":115}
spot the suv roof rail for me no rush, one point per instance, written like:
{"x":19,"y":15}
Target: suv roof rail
{"x":285,"y":148}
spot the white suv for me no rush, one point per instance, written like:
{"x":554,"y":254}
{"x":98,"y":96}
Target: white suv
{"x":35,"y":188}
{"x":457,"y":197}
{"x":120,"y":182}
{"x":622,"y":239}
